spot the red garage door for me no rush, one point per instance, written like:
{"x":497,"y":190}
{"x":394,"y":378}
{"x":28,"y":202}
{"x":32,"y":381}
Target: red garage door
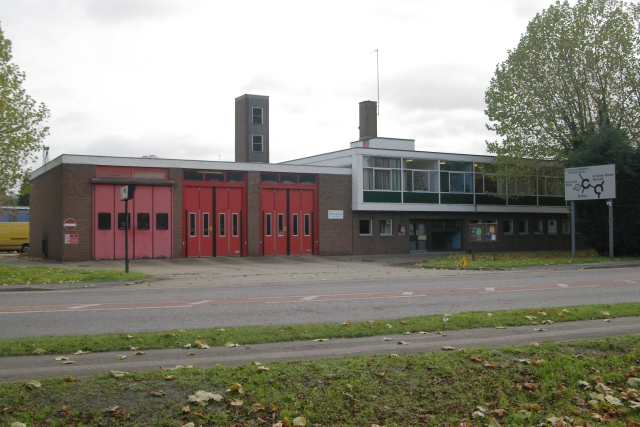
{"x":149,"y":218}
{"x":288,"y":220}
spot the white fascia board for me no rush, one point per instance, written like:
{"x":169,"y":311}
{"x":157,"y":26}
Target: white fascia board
{"x":417,"y":207}
{"x":380,"y":152}
{"x":184,"y":164}
{"x":334,"y":155}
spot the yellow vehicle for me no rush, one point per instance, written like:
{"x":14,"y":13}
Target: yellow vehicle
{"x":14,"y":229}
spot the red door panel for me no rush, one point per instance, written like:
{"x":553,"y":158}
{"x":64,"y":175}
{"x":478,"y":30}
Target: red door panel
{"x":191,"y":206}
{"x":308,"y":231}
{"x":162,"y":222}
{"x":141,"y":222}
{"x":120,"y":225}
{"x":235,"y":221}
{"x":296,"y":220}
{"x":205,"y":218}
{"x":103,"y":222}
{"x":222,"y":222}
{"x":274,"y":221}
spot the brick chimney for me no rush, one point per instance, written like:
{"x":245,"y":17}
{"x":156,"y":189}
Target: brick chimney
{"x":368,"y":120}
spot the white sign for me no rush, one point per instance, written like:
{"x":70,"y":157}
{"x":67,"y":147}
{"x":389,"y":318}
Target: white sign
{"x":336,"y":214}
{"x":590,"y":183}
{"x":124,"y":193}
{"x":69,"y":224}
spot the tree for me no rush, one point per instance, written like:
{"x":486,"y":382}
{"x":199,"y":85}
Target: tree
{"x":22,"y":127}
{"x":24,"y":189}
{"x":607,"y":145}
{"x":572,"y":67}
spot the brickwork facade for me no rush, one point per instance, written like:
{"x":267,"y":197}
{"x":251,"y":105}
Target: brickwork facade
{"x":175,"y":175}
{"x":46,"y":215}
{"x":335,"y":235}
{"x":253,"y":213}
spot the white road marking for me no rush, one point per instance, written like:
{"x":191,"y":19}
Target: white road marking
{"x":490,"y":289}
{"x":563,"y":285}
{"x":407,"y":294}
{"x":199,"y":302}
{"x":82,"y":306}
{"x":308,"y":298}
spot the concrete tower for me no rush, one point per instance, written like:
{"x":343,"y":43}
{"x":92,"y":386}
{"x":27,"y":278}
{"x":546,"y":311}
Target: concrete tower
{"x":252,"y":129}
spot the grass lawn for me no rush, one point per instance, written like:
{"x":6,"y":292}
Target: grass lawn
{"x":10,"y":275}
{"x":220,"y":335}
{"x":588,"y":383}
{"x":518,"y":259}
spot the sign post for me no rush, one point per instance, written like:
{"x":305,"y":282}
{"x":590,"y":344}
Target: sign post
{"x":590,"y":183}
{"x":126,"y":193}
{"x":483,"y":233}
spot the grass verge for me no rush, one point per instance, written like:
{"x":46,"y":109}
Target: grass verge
{"x":587,"y":383}
{"x":10,"y":275}
{"x":518,"y":259}
{"x":281,"y":333}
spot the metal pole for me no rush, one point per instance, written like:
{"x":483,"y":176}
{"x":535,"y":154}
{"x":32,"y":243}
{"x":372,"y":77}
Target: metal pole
{"x":573,"y":229}
{"x":610,"y":228}
{"x":126,"y":236}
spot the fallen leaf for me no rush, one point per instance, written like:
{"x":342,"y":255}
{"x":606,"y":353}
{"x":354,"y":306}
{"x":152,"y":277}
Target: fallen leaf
{"x":605,"y":313}
{"x":202,"y":344}
{"x":403,"y":343}
{"x":18,"y":424}
{"x":62,"y":358}
{"x":347,"y":323}
{"x":81,"y":352}
{"x":230,"y":344}
{"x":448,"y":348}
{"x":201,"y":397}
{"x":186,"y":346}
{"x":386,"y":339}
{"x":236,"y":387}
{"x":392,"y":355}
{"x":532,"y":318}
{"x":157,"y":393}
{"x":69,"y":379}
{"x":188,"y":425}
{"x":39,"y":351}
{"x":67,"y":362}
{"x":534,"y":344}
{"x":533,"y":407}
{"x":186,"y":409}
{"x":321,"y":339}
{"x":530,"y":386}
{"x":476,"y":358}
{"x":129,"y":336}
{"x":406,"y":333}
{"x":300,"y":421}
{"x":257,"y":407}
{"x":138,"y":353}
{"x":170,"y":377}
{"x":33,"y":384}
{"x":633,"y":382}
{"x":112,"y":409}
{"x":191,"y":354}
{"x":493,"y":423}
{"x":121,"y":357}
{"x":236,"y":402}
{"x":118,"y":374}
{"x":423,"y":333}
{"x":262,"y":368}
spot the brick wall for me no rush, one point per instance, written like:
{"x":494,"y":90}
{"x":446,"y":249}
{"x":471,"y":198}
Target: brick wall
{"x":77,"y":197}
{"x":380,"y":244}
{"x":175,"y":175}
{"x":241,"y":136}
{"x":253,"y":213}
{"x":335,"y":235}
{"x":46,"y":214}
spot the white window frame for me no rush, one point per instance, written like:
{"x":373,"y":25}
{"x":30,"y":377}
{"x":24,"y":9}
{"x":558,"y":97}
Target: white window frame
{"x":510,"y":232}
{"x":388,"y":227}
{"x":253,"y":143}
{"x":539,"y":224}
{"x":253,"y":116}
{"x":222,"y":224}
{"x":552,"y":226}
{"x":526,"y":226}
{"x":370,"y":227}
{"x":206,"y":223}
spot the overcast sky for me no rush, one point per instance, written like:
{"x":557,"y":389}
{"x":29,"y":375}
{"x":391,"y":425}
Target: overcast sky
{"x":141,"y":77}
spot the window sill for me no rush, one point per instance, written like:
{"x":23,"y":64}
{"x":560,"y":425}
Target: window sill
{"x":366,"y":234}
{"x":386,"y":235}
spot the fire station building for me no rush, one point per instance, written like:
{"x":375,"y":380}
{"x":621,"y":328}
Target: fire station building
{"x":379,"y":196}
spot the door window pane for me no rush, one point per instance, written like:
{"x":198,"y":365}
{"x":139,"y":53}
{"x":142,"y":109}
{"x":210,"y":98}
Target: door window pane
{"x":104,"y":221}
{"x":143,"y":221}
{"x":268,"y":224}
{"x":294,"y":225}
{"x":222,"y":224}
{"x":205,"y":224}
{"x":307,"y":225}
{"x":123,"y":221}
{"x":280,"y":224}
{"x":162,"y":221}
{"x":192,"y":224}
{"x":234,"y":224}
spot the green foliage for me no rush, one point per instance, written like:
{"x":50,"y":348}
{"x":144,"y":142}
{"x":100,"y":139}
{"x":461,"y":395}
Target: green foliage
{"x":25,"y":189}
{"x":610,"y":145}
{"x":10,"y":275}
{"x":572,"y":66}
{"x":21,"y":120}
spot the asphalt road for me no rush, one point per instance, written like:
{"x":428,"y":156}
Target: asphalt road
{"x":223,"y":293}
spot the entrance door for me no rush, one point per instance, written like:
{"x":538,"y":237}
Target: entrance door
{"x":446,"y":235}
{"x":228,"y":210}
{"x":198,"y":205}
{"x":418,"y":235}
{"x":274,"y":221}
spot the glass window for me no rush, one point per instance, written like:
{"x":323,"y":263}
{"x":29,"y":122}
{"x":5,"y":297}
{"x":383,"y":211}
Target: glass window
{"x":234,"y":225}
{"x":538,"y":227}
{"x":162,"y":221}
{"x":367,"y":182}
{"x":552,"y":226}
{"x":456,"y":182}
{"x":143,"y":221}
{"x":191,"y":175}
{"x":288,"y":178}
{"x":269,"y":177}
{"x":365,"y":227}
{"x":523,"y":226}
{"x":307,"y":224}
{"x":268,"y":224}
{"x":280,"y":224}
{"x":294,"y":224}
{"x":422,"y":164}
{"x":555,"y":186}
{"x":444,"y":182}
{"x":456,"y":166}
{"x":256,"y":143}
{"x":124,"y":220}
{"x":222,"y":223}
{"x":386,"y":227}
{"x":490,"y":184}
{"x":382,"y":162}
{"x":475,"y":221}
{"x":235,"y":176}
{"x":256,"y":114}
{"x":192,"y":224}
{"x":382,"y":179}
{"x":307,"y":179}
{"x":479,"y":183}
{"x":205,"y":224}
{"x":507,"y":226}
{"x":491,"y":221}
{"x":104,"y":221}
{"x":214,"y":176}
{"x":22,"y":215}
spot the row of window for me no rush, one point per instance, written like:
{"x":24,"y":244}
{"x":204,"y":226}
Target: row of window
{"x":287,"y":178}
{"x":14,"y":215}
{"x":538,"y":226}
{"x":143,"y":221}
{"x":206,"y":226}
{"x":213,"y":176}
{"x":394,"y":174}
{"x":385,"y":227}
{"x":281,"y":226}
